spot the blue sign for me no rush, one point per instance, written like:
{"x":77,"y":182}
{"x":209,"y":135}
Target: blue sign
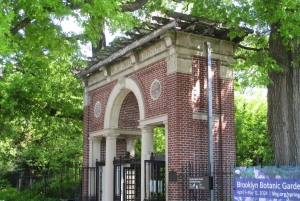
{"x":267,"y":183}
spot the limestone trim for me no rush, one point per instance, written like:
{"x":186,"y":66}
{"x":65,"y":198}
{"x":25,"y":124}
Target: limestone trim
{"x":127,"y":133}
{"x":152,"y":50}
{"x":121,"y":66}
{"x":179,"y":63}
{"x":203,"y":116}
{"x":226,"y":73}
{"x":157,"y":120}
{"x":178,"y":48}
{"x":115,"y":101}
{"x":94,"y":150}
{"x":111,"y":136}
{"x":86,"y":94}
{"x":147,"y":149}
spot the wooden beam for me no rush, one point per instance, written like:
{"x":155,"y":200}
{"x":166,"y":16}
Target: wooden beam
{"x":128,"y":48}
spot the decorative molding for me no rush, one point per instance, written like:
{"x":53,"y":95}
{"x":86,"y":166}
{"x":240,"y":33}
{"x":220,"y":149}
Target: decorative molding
{"x":97,"y":77}
{"x":122,"y":82}
{"x":134,"y":57}
{"x":111,"y":136}
{"x":97,"y":109}
{"x":179,"y":63}
{"x":203,"y":116}
{"x":152,"y":50}
{"x":147,"y":129}
{"x":167,"y":41}
{"x":119,"y":132}
{"x":155,"y":89}
{"x":121,"y":66}
{"x":115,"y":101}
{"x":95,"y":139}
{"x":226,"y":73}
{"x":178,"y":57}
{"x":157,"y":120}
{"x":86,"y":98}
{"x":171,"y":63}
{"x":184,"y":64}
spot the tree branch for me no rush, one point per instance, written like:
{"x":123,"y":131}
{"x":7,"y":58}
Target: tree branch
{"x":130,"y":7}
{"x":240,"y":57}
{"x":53,"y":112}
{"x":253,"y":49}
{"x":20,"y":26}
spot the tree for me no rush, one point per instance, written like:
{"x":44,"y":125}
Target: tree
{"x":270,"y":56}
{"x":41,"y":101}
{"x":253,"y":145}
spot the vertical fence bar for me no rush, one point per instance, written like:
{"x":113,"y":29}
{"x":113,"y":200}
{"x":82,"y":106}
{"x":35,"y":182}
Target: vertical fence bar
{"x":231,"y":183}
{"x":75,"y":182}
{"x":145,"y":181}
{"x":97,"y":182}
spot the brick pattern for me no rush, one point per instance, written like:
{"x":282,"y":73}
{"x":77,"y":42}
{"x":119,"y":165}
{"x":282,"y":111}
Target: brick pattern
{"x":85,"y":164}
{"x":103,"y":149}
{"x":187,"y":138}
{"x":101,"y":94}
{"x":199,"y":74}
{"x":180,"y":127}
{"x":129,"y":113}
{"x":121,"y":148}
{"x":144,"y":79}
{"x":227,"y":122}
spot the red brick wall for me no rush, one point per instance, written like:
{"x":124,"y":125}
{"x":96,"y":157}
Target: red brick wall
{"x":121,"y":148}
{"x":129,"y":113}
{"x":227,"y":122}
{"x":180,"y":127}
{"x":103,"y":149}
{"x":85,"y":150}
{"x":101,"y":94}
{"x":144,"y":79}
{"x":199,"y":74}
{"x":187,"y":138}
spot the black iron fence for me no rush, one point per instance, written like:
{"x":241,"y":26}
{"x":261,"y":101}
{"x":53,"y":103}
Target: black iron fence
{"x":197,"y":183}
{"x":127,"y":178}
{"x":155,"y":184}
{"x":62,"y":184}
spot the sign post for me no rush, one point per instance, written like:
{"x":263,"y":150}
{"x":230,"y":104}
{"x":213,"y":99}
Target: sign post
{"x":209,"y":117}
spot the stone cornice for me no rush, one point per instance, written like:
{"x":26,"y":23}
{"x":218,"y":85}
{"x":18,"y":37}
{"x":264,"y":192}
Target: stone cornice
{"x":178,"y":48}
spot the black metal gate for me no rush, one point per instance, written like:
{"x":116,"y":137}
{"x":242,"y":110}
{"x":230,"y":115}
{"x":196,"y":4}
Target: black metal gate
{"x":131,"y":185}
{"x":155,"y":184}
{"x":222,"y":183}
{"x":95,"y":182}
{"x":127,"y":179}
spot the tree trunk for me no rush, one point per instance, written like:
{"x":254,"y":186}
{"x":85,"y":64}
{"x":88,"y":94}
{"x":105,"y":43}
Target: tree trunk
{"x":284,"y":102}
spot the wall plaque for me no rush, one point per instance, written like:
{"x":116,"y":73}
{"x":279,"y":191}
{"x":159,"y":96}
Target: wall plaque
{"x":199,"y":183}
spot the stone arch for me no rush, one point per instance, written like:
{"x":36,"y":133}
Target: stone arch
{"x":116,"y":98}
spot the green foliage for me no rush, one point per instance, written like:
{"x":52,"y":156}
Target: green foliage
{"x":159,"y":142}
{"x":41,"y":101}
{"x":254,"y":63}
{"x":8,"y":193}
{"x":252,"y":140}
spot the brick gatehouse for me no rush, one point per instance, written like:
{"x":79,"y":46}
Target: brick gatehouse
{"x":158,"y":78}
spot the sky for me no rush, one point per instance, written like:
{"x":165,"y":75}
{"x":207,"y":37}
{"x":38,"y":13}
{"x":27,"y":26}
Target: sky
{"x":71,"y":26}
